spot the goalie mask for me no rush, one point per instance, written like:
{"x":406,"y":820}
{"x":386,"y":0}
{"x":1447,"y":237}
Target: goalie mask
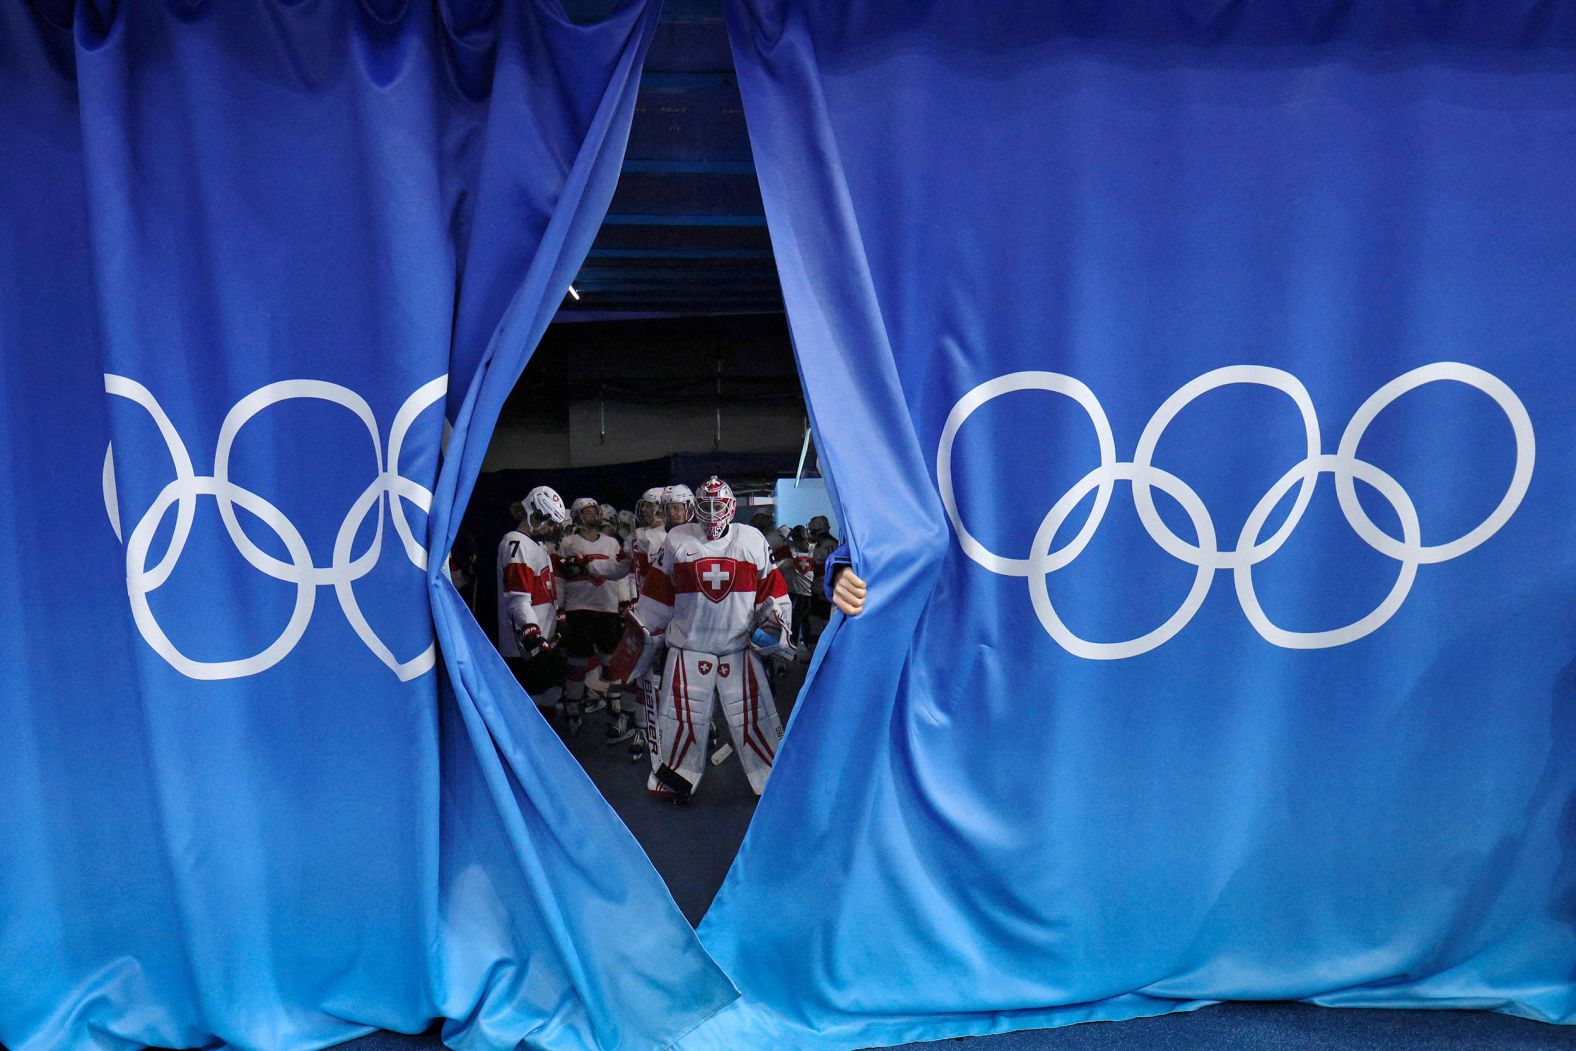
{"x":543,"y":511}
{"x":678,"y":505}
{"x":715,"y":506}
{"x":648,"y":509}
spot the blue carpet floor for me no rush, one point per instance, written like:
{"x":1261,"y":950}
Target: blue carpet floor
{"x":1229,"y":1027}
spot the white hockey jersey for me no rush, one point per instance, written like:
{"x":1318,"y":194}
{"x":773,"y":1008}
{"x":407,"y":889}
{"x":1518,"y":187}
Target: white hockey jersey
{"x":778,"y":540}
{"x":640,"y":550}
{"x":703,"y":593}
{"x":598,"y":589}
{"x":644,"y":548}
{"x":527,"y":591}
{"x":797,"y":565}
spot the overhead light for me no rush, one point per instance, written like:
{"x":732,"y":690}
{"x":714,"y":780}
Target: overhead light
{"x":574,"y":293}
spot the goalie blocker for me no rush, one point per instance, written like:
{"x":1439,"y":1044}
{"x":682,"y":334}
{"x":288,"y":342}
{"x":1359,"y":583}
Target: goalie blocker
{"x":633,"y":655}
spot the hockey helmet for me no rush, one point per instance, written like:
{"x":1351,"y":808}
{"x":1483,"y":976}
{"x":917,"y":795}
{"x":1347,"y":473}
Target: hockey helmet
{"x":648,"y":509}
{"x":716,"y":507}
{"x":543,"y":510}
{"x":586,"y":512}
{"x":678,"y":504}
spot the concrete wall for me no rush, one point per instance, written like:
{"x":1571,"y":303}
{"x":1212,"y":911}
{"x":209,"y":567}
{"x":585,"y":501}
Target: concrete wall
{"x":621,"y":432}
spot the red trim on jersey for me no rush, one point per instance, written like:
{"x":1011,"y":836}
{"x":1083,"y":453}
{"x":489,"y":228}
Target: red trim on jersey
{"x":658,"y":587}
{"x":521,"y":579}
{"x":772,"y":587}
{"x":746,"y":577}
{"x":517,"y":577}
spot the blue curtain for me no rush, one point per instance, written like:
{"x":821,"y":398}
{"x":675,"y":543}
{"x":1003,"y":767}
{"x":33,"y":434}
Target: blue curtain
{"x":262,"y":781}
{"x":1198,"y":383}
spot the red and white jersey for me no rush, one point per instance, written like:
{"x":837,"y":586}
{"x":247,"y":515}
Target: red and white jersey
{"x":797,"y":565}
{"x":778,"y":540}
{"x":704,"y":593}
{"x":645,"y":544}
{"x":598,"y":589}
{"x":527,"y":591}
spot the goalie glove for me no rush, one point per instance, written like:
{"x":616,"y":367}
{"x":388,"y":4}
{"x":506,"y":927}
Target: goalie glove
{"x":633,"y":655}
{"x":572,"y":568}
{"x":770,"y":634}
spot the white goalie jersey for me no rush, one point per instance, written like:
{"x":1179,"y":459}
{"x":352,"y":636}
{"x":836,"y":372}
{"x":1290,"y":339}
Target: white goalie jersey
{"x":703,"y":594}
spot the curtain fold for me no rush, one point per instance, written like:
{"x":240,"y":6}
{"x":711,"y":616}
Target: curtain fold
{"x":255,"y":260}
{"x":1299,"y":724}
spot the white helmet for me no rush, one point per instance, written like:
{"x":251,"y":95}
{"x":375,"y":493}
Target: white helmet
{"x":609,"y":516}
{"x":626,"y":521}
{"x":578,"y":509}
{"x":716,"y":507}
{"x":543,"y":509}
{"x":648,"y":509}
{"x":678,"y":496}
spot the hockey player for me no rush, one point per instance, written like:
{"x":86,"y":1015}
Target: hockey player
{"x":678,"y":505}
{"x":629,"y":722}
{"x":797,"y":565}
{"x":642,"y":551}
{"x":646,"y":540}
{"x":643,"y":545}
{"x":588,"y":562}
{"x":643,"y":653}
{"x":717,"y":599}
{"x":528,"y":596}
{"x":630,"y":526}
{"x":780,"y":539}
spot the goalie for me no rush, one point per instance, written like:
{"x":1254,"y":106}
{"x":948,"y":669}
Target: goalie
{"x":717,"y":600}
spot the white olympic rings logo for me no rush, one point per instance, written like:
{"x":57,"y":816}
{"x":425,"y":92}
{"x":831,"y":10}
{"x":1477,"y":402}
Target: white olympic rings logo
{"x":1250,"y":548}
{"x":343,"y":570}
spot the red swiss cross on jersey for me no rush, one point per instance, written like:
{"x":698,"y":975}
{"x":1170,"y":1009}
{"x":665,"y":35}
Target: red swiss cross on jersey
{"x":715,"y":577}
{"x":704,"y":593}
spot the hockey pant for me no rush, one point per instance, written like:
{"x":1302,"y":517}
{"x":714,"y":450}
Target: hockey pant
{"x":679,"y":744}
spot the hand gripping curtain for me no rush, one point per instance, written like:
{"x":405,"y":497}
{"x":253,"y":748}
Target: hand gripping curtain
{"x":1198,"y":384}
{"x":252,"y":256}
